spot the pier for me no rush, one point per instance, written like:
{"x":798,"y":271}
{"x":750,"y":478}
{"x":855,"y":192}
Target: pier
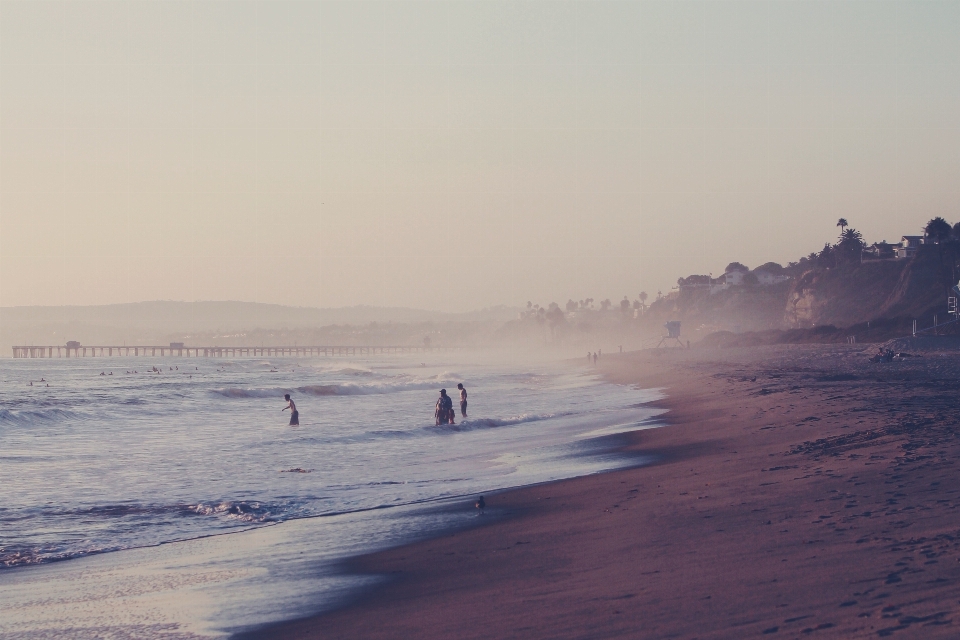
{"x":74,"y":350}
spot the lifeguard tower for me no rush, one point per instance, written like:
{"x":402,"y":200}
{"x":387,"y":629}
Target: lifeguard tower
{"x":673,"y":333}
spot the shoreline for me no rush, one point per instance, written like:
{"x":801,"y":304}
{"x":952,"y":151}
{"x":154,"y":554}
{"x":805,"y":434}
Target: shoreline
{"x":210,"y":586}
{"x":799,"y":489}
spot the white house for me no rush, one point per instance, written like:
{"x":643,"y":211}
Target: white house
{"x":908,"y":246}
{"x":766,"y":278}
{"x":734,"y":278}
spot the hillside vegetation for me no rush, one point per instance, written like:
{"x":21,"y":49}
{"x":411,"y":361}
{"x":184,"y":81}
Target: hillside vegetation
{"x":833,"y":290}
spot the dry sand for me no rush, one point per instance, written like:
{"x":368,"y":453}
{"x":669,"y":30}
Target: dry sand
{"x":800,"y":491}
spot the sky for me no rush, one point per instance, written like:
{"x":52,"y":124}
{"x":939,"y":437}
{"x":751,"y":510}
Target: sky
{"x":460,"y":154}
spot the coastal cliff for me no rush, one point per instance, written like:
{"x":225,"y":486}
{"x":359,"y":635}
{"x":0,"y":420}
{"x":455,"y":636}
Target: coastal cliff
{"x":883,"y":289}
{"x":846,"y":295}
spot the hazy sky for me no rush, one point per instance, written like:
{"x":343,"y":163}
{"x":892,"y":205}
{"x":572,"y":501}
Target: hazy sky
{"x":455,"y":155}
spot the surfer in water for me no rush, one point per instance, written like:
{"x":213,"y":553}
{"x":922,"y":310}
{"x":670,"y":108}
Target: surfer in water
{"x":294,"y":414}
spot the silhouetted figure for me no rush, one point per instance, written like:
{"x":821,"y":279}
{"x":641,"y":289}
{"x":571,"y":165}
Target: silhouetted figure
{"x":594,"y":358}
{"x":444,"y":408}
{"x":463,"y":400}
{"x":294,"y":414}
{"x":480,"y":505}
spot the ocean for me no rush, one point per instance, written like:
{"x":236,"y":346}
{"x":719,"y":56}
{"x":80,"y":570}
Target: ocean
{"x":168,"y":497}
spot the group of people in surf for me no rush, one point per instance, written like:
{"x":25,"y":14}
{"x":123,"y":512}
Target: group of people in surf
{"x":444,"y":412}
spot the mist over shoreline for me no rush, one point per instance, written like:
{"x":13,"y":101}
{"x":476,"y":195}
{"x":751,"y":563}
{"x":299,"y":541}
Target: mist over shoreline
{"x":226,"y":322}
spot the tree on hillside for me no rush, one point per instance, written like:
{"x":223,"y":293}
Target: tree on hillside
{"x":736,"y":266}
{"x":571,"y":305}
{"x":605,"y":304}
{"x":843,"y":224}
{"x":625,"y":305}
{"x":771,"y":267}
{"x":827,"y":257}
{"x":850,"y":246}
{"x":938,"y":229}
{"x":956,"y":231}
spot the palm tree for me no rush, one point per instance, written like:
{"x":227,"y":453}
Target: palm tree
{"x":850,"y":246}
{"x":643,"y":301}
{"x":843,"y":224}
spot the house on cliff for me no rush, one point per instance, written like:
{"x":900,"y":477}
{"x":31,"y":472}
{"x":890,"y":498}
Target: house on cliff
{"x":909,"y":245}
{"x":880,"y":251}
{"x":770,"y":274}
{"x":734,"y":278}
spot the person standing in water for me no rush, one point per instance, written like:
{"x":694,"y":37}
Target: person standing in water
{"x":294,"y":414}
{"x":463,"y":400}
{"x":444,"y":408}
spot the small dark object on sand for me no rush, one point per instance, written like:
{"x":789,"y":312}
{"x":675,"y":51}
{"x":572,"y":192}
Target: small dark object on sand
{"x":296,"y":470}
{"x":883,"y":355}
{"x":481,"y":505}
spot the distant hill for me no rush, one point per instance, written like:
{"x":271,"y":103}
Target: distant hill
{"x":162,"y":321}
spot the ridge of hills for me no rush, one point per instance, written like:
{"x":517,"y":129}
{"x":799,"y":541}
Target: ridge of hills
{"x":825,"y":297}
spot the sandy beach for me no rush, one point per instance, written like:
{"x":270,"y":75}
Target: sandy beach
{"x":798,"y":491}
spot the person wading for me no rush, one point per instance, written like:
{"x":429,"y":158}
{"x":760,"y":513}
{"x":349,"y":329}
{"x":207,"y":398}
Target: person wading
{"x":444,"y":408}
{"x":294,"y":414}
{"x":463,"y":400}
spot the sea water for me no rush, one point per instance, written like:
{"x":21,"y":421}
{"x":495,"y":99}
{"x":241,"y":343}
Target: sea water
{"x":168,"y":497}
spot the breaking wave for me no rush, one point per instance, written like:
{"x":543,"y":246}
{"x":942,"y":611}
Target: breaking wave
{"x":492,"y":423}
{"x":230,"y":514}
{"x":34,"y":416}
{"x":250,"y":393}
{"x":342,"y":389}
{"x":241,"y":511}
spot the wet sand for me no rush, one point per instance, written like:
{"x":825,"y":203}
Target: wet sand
{"x":800,"y":491}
